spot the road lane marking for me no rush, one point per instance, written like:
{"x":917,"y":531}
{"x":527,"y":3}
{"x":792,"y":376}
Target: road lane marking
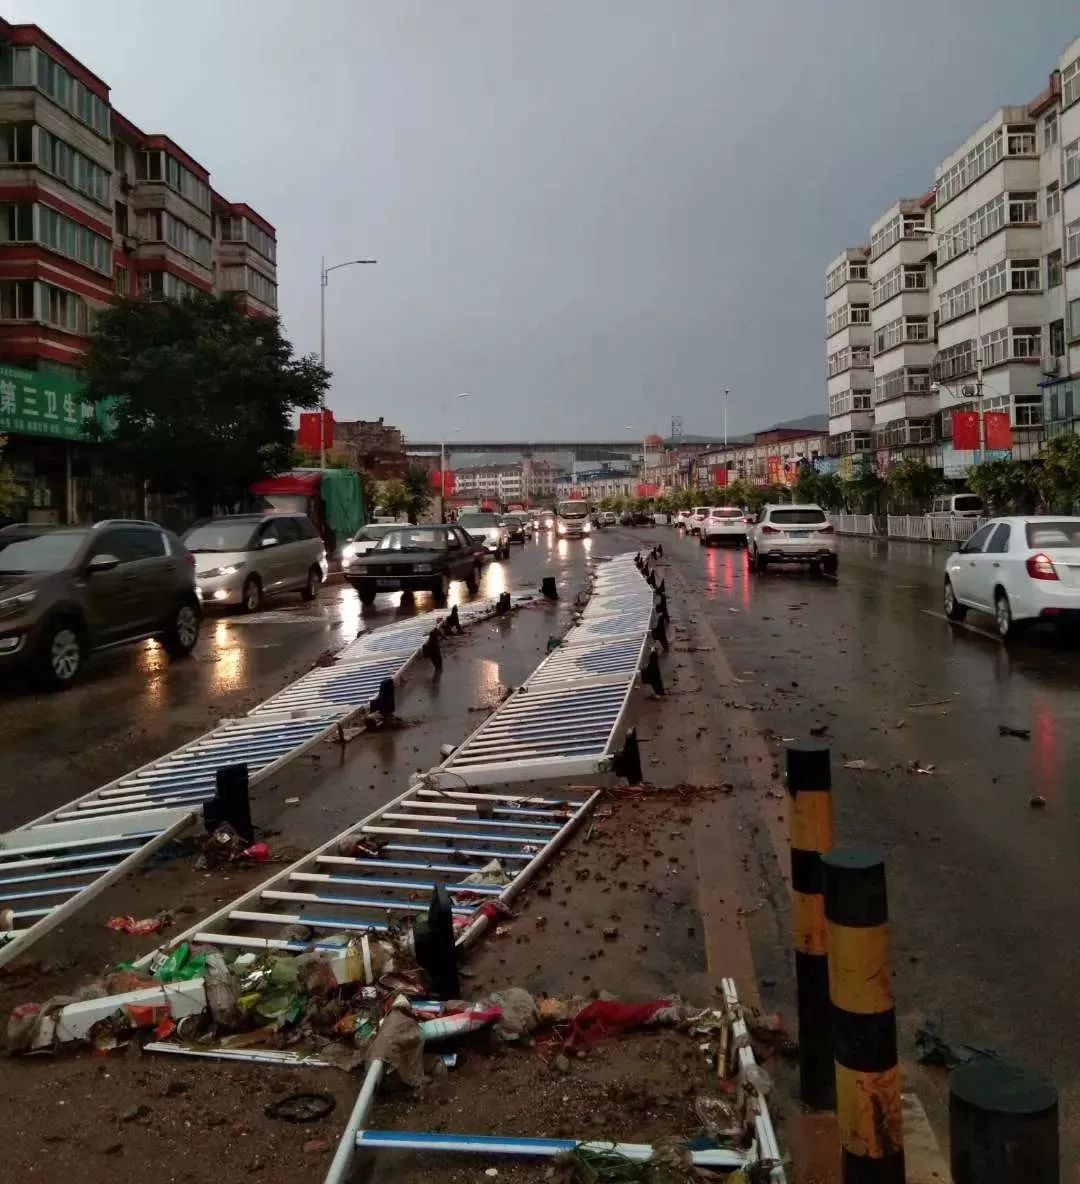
{"x":962,"y":625}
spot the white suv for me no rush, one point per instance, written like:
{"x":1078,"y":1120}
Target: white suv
{"x":725,"y":524}
{"x":693,"y":523}
{"x":793,"y":534}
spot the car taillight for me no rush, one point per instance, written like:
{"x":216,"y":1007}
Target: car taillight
{"x":190,"y":559}
{"x":766,"y":529}
{"x":827,"y":529}
{"x":1041,"y":567}
{"x":748,"y":521}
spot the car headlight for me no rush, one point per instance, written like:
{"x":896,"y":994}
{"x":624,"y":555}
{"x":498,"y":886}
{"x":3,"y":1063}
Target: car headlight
{"x":12,"y":605}
{"x":562,"y":529}
{"x":586,"y":528}
{"x":228,"y":570}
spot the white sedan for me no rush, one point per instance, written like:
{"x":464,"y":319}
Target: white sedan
{"x":725,"y":524}
{"x":1019,"y":569}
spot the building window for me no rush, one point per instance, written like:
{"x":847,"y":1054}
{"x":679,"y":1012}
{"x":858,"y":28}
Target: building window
{"x":69,"y":92}
{"x":16,"y":143}
{"x":79,"y":171}
{"x":1027,"y":411}
{"x":1070,"y":83}
{"x":1072,"y":162}
{"x":157,"y":165}
{"x":1074,"y":320}
{"x":860,"y":314}
{"x":163,"y":285}
{"x":1021,"y":141}
{"x":1025,"y":275}
{"x":119,"y":152}
{"x":186,"y":240}
{"x":1050,"y":130}
{"x":887,"y":287}
{"x":1054,"y":269}
{"x":858,"y":270}
{"x":956,"y":302}
{"x":914,"y":277}
{"x":16,"y":300}
{"x":1058,"y":402}
{"x":982,"y":157}
{"x":18,"y":225}
{"x":1072,"y":241}
{"x":16,"y":65}
{"x":886,"y":237}
{"x":1053,"y":199}
{"x":1023,"y":208}
{"x":77,"y":242}
{"x":63,"y":309}
{"x":834,"y":280}
{"x":120,"y":217}
{"x":120,"y":280}
{"x":903,"y":329}
{"x":1057,"y":338}
{"x":1001,"y":345}
{"x":955,"y":361}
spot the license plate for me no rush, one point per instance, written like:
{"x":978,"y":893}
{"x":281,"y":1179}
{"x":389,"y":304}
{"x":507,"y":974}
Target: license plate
{"x":389,"y":585}
{"x":799,"y":534}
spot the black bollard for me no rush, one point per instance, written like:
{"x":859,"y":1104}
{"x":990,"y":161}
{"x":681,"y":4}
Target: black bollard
{"x":660,"y":550}
{"x":661,"y":608}
{"x":432,"y":650}
{"x":384,"y":703}
{"x":662,"y":587}
{"x":809,"y":783}
{"x":503,"y":605}
{"x":627,"y":763}
{"x":549,"y":589}
{"x":651,"y":674}
{"x":659,"y":633}
{"x":650,"y":579}
{"x":231,"y":803}
{"x":452,"y":624}
{"x":433,"y":938}
{"x":1003,"y":1125}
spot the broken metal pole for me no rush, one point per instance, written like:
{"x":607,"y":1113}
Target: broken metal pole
{"x":549,"y":588}
{"x":231,"y":802}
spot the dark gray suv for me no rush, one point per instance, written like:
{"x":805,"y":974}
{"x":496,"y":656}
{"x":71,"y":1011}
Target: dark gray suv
{"x":68,"y":591}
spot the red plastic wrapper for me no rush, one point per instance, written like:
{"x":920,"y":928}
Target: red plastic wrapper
{"x":602,"y":1019}
{"x":141,"y":928}
{"x":260,"y":852}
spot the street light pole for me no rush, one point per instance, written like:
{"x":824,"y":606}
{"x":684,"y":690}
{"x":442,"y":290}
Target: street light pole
{"x":324,"y":279}
{"x":442,"y":457}
{"x":726,"y":392}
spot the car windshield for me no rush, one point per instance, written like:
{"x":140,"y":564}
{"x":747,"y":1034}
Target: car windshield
{"x":478,"y":521}
{"x":371,"y":534}
{"x":416,"y":539}
{"x":573,"y":509}
{"x":805,"y":517}
{"x":702,"y":510}
{"x":727,"y":513}
{"x":966,"y":502}
{"x":1056,"y":534}
{"x":220,"y":536}
{"x":51,"y":551}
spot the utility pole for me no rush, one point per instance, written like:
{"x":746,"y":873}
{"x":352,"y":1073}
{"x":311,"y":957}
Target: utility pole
{"x":324,"y":279}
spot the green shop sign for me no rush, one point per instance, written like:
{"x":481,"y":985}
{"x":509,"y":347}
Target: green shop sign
{"x":33,"y":404}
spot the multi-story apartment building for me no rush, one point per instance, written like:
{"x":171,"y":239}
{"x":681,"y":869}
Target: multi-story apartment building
{"x":502,"y":483}
{"x":970,"y":296}
{"x":92,"y":207}
{"x":848,"y":360}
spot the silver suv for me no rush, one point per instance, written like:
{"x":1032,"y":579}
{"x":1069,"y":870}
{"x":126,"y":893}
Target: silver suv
{"x":241,"y":558}
{"x":793,"y":534}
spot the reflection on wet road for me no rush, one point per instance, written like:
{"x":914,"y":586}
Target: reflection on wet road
{"x":984,"y":888}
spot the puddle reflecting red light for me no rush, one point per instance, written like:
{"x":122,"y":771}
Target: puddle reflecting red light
{"x":1047,"y":757}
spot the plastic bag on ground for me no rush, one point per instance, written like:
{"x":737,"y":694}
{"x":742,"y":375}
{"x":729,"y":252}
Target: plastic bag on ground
{"x":399,"y":1043}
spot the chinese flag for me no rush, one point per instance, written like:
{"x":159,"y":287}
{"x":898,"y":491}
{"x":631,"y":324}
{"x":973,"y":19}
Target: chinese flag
{"x":719,"y":476}
{"x":308,"y":436}
{"x":965,"y":430}
{"x":435,"y":480}
{"x":998,"y":430}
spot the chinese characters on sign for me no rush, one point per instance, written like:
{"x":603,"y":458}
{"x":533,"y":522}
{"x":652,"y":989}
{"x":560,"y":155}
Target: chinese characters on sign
{"x":34,"y":404}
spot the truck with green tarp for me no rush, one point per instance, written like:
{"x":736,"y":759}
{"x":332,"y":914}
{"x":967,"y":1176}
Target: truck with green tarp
{"x":331,"y":498}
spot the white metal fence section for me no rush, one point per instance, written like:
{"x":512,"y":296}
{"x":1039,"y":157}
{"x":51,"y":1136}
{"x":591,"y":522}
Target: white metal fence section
{"x":943,"y":528}
{"x":853,"y":523}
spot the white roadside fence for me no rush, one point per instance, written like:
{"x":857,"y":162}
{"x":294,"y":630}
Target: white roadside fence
{"x":925,"y":528}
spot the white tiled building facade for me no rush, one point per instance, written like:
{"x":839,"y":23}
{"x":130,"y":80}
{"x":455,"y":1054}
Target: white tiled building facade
{"x":985,"y":266}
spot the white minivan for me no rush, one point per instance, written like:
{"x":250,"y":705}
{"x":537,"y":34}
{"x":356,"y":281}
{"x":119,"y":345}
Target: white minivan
{"x":958,"y":505}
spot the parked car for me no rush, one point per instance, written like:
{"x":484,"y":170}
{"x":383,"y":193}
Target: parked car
{"x":682,"y":518}
{"x":958,"y":505}
{"x":488,"y":530}
{"x":725,"y":524}
{"x":793,"y":534}
{"x":697,"y":517}
{"x":242,"y":558}
{"x":1019,"y":569}
{"x":67,"y":592}
{"x":607,"y":518}
{"x":518,"y":526}
{"x":418,"y":559}
{"x":366,"y":539}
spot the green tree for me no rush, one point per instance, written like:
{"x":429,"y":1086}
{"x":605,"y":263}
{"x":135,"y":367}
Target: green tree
{"x":9,"y":487}
{"x":205,"y":395}
{"x":764,"y":495}
{"x":302,"y":459}
{"x":369,"y":493}
{"x":418,"y":494}
{"x":912,"y":485}
{"x":830,"y":491}
{"x":864,"y":490}
{"x":1060,"y":477}
{"x":393,"y":498}
{"x":1006,"y":486}
{"x":807,"y":486}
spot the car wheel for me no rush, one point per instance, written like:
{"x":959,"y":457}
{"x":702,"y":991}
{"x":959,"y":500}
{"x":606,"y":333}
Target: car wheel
{"x":831,"y":565}
{"x":1003,"y":617}
{"x":252,"y":596}
{"x":314,"y":583}
{"x":182,"y":632}
{"x":366,"y":592}
{"x":758,"y":562}
{"x":954,"y":610}
{"x":472,"y":581}
{"x":60,"y":658}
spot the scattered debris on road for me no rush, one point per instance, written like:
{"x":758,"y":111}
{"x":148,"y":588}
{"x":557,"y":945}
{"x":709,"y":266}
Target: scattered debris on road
{"x":1019,"y":733}
{"x":931,"y":1048}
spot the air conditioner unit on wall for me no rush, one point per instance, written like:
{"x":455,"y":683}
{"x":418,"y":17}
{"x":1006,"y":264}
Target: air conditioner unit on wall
{"x":1050,"y":364}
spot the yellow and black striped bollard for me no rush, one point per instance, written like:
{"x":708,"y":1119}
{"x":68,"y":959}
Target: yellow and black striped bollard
{"x":868,"y":1111}
{"x":810,"y":784}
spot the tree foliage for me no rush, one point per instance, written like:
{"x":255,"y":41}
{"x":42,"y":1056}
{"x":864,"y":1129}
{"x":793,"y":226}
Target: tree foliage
{"x":1060,"y":479}
{"x":393,"y":498}
{"x":205,"y":394}
{"x":912,"y":485}
{"x":1006,"y":486}
{"x":417,"y":492}
{"x":9,"y":487}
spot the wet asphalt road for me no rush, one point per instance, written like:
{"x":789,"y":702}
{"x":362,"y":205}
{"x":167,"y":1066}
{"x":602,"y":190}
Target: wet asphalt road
{"x":134,"y":704}
{"x":984,"y":888}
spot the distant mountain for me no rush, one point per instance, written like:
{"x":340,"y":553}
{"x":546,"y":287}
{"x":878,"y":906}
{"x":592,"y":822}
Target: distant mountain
{"x":808,"y":423}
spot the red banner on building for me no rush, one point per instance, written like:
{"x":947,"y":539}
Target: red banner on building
{"x":435,"y":480}
{"x":965,"y":430}
{"x":308,"y":437}
{"x":775,"y":470}
{"x":647,"y":489}
{"x":719,"y":476}
{"x":998,"y":430}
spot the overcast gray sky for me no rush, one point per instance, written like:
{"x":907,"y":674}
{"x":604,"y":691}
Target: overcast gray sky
{"x":587,"y":213}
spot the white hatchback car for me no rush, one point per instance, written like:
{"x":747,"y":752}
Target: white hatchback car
{"x":793,"y":534}
{"x":1020,"y":570}
{"x":697,"y":517}
{"x":725,"y":524}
